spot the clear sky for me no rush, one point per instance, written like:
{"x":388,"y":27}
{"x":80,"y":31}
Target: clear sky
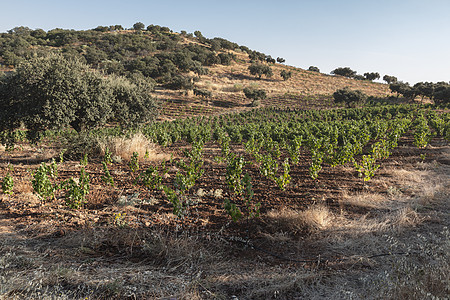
{"x":409,"y":39}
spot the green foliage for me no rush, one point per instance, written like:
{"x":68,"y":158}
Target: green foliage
{"x":234,"y":171}
{"x":286,"y":74}
{"x":138,"y":26}
{"x":76,"y":190}
{"x":249,"y":207}
{"x":372,"y":76}
{"x":284,"y":179}
{"x":367,"y":167}
{"x":7,"y":184}
{"x":234,"y":211}
{"x":107,"y":157}
{"x":348,"y":96}
{"x":180,"y":82}
{"x":255,"y":94}
{"x":53,"y":92}
{"x":107,"y":178}
{"x":151,"y":177}
{"x":42,"y":185}
{"x":346,"y":72}
{"x":389,"y":79}
{"x":422,"y":134}
{"x":313,"y":69}
{"x":84,"y":160}
{"x":134,"y":162}
{"x":260,"y":69}
{"x":281,"y":60}
{"x":192,"y":170}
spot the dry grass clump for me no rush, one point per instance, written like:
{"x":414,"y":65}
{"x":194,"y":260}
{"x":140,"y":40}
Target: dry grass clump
{"x":124,"y":147}
{"x":364,"y":199}
{"x":315,"y":218}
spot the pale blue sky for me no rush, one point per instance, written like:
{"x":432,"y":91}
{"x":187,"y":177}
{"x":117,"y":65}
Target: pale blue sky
{"x":409,"y":39}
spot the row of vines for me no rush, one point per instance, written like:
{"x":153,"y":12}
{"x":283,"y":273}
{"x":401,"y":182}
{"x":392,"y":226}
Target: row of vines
{"x":271,"y":139}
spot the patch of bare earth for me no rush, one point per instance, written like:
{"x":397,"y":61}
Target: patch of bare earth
{"x":386,"y":239}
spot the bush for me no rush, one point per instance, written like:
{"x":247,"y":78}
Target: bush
{"x":285,"y":74}
{"x":313,"y":69}
{"x":372,"y":76}
{"x":260,"y":69}
{"x":346,"y":72}
{"x":255,"y":94}
{"x":389,"y":79}
{"x":53,"y":92}
{"x":180,"y":82}
{"x":138,"y":26}
{"x":348,"y":96}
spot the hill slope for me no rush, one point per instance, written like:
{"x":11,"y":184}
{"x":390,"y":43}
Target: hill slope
{"x":177,"y":62}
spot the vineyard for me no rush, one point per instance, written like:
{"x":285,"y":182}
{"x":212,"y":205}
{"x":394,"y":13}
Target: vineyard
{"x":220,"y":177}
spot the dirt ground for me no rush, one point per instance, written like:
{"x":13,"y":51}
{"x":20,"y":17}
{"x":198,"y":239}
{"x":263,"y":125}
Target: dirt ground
{"x":334,"y":238}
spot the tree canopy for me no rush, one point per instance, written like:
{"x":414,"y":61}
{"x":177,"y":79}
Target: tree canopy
{"x":53,"y":92}
{"x":346,"y":72}
{"x":260,"y":69}
{"x":348,"y":96}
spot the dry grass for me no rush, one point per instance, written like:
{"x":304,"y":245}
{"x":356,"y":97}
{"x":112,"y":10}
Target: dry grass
{"x":124,"y":147}
{"x":315,"y":218}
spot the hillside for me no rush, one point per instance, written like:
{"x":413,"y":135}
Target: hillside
{"x":177,"y":62}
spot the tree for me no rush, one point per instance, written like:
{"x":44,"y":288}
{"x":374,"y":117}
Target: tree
{"x":425,"y":89}
{"x":270,"y":59}
{"x":281,"y":60}
{"x":53,"y":92}
{"x":346,"y":72}
{"x":442,"y":93}
{"x":198,"y":34}
{"x":389,"y":79}
{"x":372,"y":76}
{"x":286,"y":75}
{"x":255,"y":94}
{"x":404,"y":89}
{"x":348,"y":96}
{"x":138,"y":26}
{"x":180,"y":82}
{"x":260,"y":69}
{"x":313,"y":69}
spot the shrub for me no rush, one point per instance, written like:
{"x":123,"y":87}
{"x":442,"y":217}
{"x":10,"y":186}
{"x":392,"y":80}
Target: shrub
{"x":313,"y":69}
{"x":53,"y":92}
{"x":346,"y":72}
{"x":180,"y":82}
{"x":255,"y":94}
{"x":389,"y":79}
{"x":372,"y":76}
{"x":138,"y":26}
{"x":285,"y":74}
{"x":260,"y":69}
{"x":348,"y":96}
